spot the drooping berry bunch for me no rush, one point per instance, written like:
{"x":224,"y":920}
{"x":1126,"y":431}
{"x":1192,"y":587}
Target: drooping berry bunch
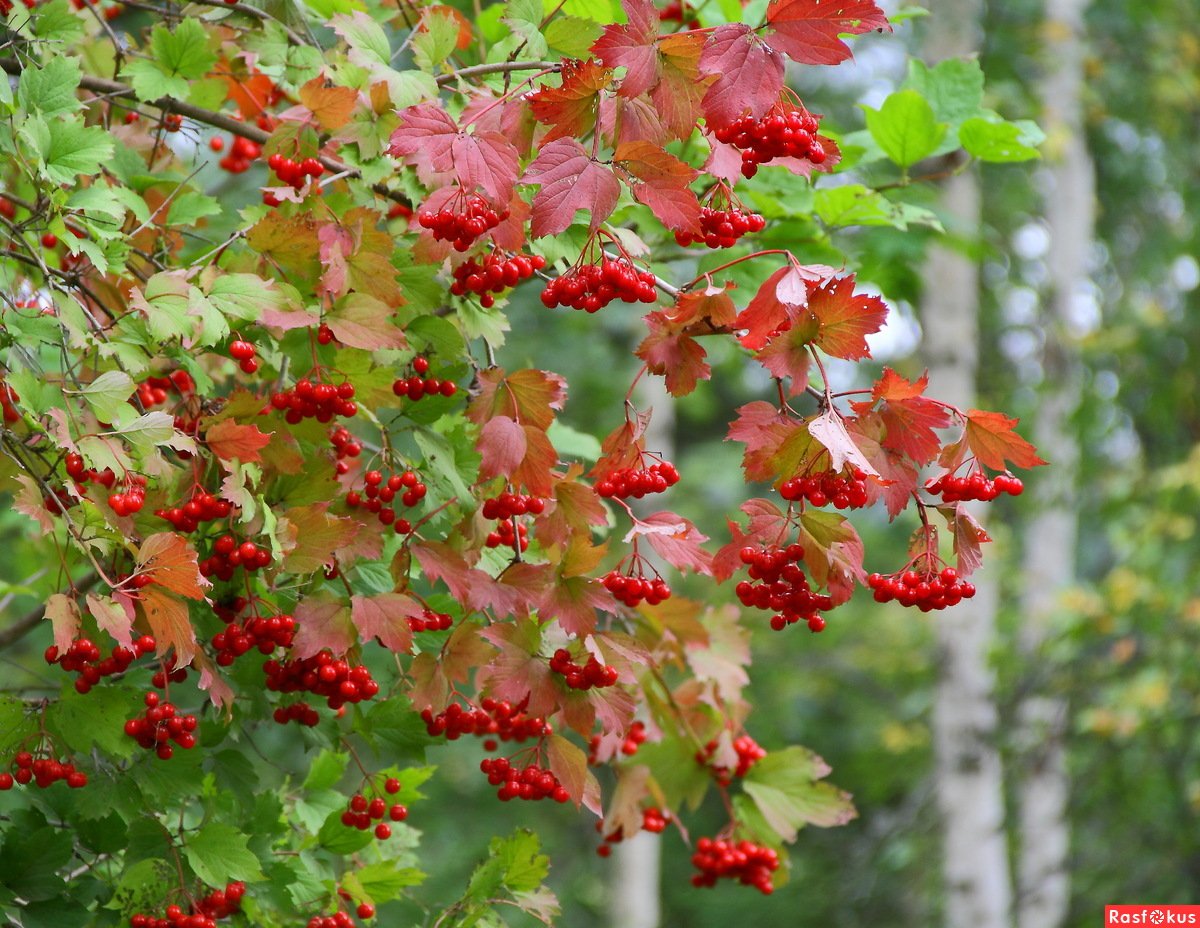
{"x":749,"y":753}
{"x":637,"y":482}
{"x":159,"y":725}
{"x":81,"y":473}
{"x":8,"y":400}
{"x":204,"y":913}
{"x":345,"y":445}
{"x":496,"y":272}
{"x":322,"y":675}
{"x":721,"y":228}
{"x":132,"y":499}
{"x":228,"y":554}
{"x":300,"y":712}
{"x":591,"y":287}
{"x":430,"y":621}
{"x":417,"y":385}
{"x":785,"y":131}
{"x":976,"y":486}
{"x":926,"y":589}
{"x":155,"y":391}
{"x":379,"y":495}
{"x":43,"y":772}
{"x":462,"y":220}
{"x":493,"y":719}
{"x":362,"y":813}
{"x":258,"y":632}
{"x":634,"y":739}
{"x":245,"y":354}
{"x":242,"y":153}
{"x":634,"y":590}
{"x":530,"y":782}
{"x":505,"y":509}
{"x":845,"y":491}
{"x":749,"y":863}
{"x":583,"y":676}
{"x":316,"y":400}
{"x":83,"y":658}
{"x":201,"y":506}
{"x":295,"y":173}
{"x":778,"y":584}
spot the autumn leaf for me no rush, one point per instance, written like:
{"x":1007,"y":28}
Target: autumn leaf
{"x":170,"y":560}
{"x":833,"y":552}
{"x":330,"y":106}
{"x":681,"y":87}
{"x":112,"y":617}
{"x":632,"y":46}
{"x":968,"y":535}
{"x":829,"y":429}
{"x":518,"y":672}
{"x":909,"y":418}
{"x":309,"y":536}
{"x":623,"y":446}
{"x":530,"y":397}
{"x":779,"y":304}
{"x":674,"y":355}
{"x":323,"y":622}
{"x":765,"y":431}
{"x":749,"y":74}
{"x":845,"y":319}
{"x":501,"y":447}
{"x":676,"y":540}
{"x":712,"y":304}
{"x":220,"y":693}
{"x":63,"y":613}
{"x":386,"y":617}
{"x":807,"y":30}
{"x":575,"y":508}
{"x":571,"y":108}
{"x":169,"y":623}
{"x":533,"y":472}
{"x":786,"y":357}
{"x":991,"y":438}
{"x":570,"y":181}
{"x":360,"y":320}
{"x":29,"y":501}
{"x":897,"y":474}
{"x":765,"y":525}
{"x":568,"y":762}
{"x":662,"y":184}
{"x":231,"y":440}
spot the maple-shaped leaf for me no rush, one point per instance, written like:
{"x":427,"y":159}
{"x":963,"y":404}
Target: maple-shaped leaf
{"x":785,"y":788}
{"x":775,"y":443}
{"x":908,"y":416}
{"x":213,"y":682}
{"x":518,"y":671}
{"x":571,"y":108}
{"x":624,"y":808}
{"x":575,"y":509}
{"x":632,"y":46}
{"x":528,"y":396}
{"x":63,"y":613}
{"x":170,"y":560}
{"x":569,"y":763}
{"x":360,"y":320}
{"x":829,"y":429}
{"x":968,"y":535}
{"x":674,"y":355}
{"x":676,"y":540}
{"x":833,"y":552}
{"x":623,"y":446}
{"x":845,"y":318}
{"x":749,"y":74}
{"x":323,"y":622}
{"x":662,"y":184}
{"x":779,"y":305}
{"x":441,"y":562}
{"x":637,"y":120}
{"x":991,"y":438}
{"x":722,"y":660}
{"x":573,"y":597}
{"x":114,"y":618}
{"x":169,"y":622}
{"x":897,"y":474}
{"x":385,"y":617}
{"x":501,"y":446}
{"x":330,"y":106}
{"x":786,"y":357}
{"x":807,"y":30}
{"x":309,"y":536}
{"x":766,"y":524}
{"x":230,"y":440}
{"x":533,"y":472}
{"x":29,"y":501}
{"x":681,"y":87}
{"x":570,"y":181}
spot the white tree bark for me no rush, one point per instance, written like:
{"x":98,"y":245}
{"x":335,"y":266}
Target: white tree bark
{"x":970,"y":788}
{"x":1049,"y":563}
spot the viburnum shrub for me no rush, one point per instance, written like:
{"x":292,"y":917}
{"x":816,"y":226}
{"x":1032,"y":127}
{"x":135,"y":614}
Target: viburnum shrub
{"x":308,"y":515}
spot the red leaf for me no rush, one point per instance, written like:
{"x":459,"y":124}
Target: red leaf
{"x":833,"y":552}
{"x":230,"y":440}
{"x":502,"y":446}
{"x":780,"y":303}
{"x":571,"y":108}
{"x":112,"y":617}
{"x":323,"y":622}
{"x":897,"y":474}
{"x":786,"y":357}
{"x":632,"y":46}
{"x":533,"y":472}
{"x":528,"y":396}
{"x":766,"y":523}
{"x":669,"y":352}
{"x":749,"y":74}
{"x":63,"y":613}
{"x":807,"y":30}
{"x":570,"y":181}
{"x":763,"y":429}
{"x":712,"y":305}
{"x":681,"y":87}
{"x":676,"y":540}
{"x":518,"y":671}
{"x":169,"y":622}
{"x":623,"y":446}
{"x":638,"y":121}
{"x":968,"y":536}
{"x":220,"y":693}
{"x":171,"y":561}
{"x":991,"y":438}
{"x":908,"y":417}
{"x":385,"y":617}
{"x":830,"y":430}
{"x":845,"y":319}
{"x":664,"y":184}
{"x":569,"y":764}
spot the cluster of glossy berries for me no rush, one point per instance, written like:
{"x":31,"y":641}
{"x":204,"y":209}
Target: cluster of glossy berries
{"x":778,"y":584}
{"x":633,"y":591}
{"x":172,"y":122}
{"x":83,"y":658}
{"x":345,"y":445}
{"x":295,"y":173}
{"x":133,"y":499}
{"x":245,"y":354}
{"x":379,"y":494}
{"x":502,"y":509}
{"x":496,"y":272}
{"x":322,"y":675}
{"x":263,"y":634}
{"x":320,"y":401}
{"x":845,"y":492}
{"x":749,"y":753}
{"x":41,"y":771}
{"x":155,"y":391}
{"x":242,"y":153}
{"x":721,"y":228}
{"x":784,"y":132}
{"x":418,"y":385}
{"x":204,"y":913}
{"x":159,"y":725}
{"x":654,"y":820}
{"x":634,"y":739}
{"x":341,"y":919}
{"x":228,"y":554}
{"x":749,"y":863}
{"x":638,"y":481}
{"x":494,"y":719}
{"x":591,"y":287}
{"x":976,"y":486}
{"x":927,"y":590}
{"x":168,"y":674}
{"x":362,"y":813}
{"x":8,"y":400}
{"x":300,"y":712}
{"x":583,"y":676}
{"x":461,"y":221}
{"x":530,"y":782}
{"x":201,"y":507}
{"x":430,"y":621}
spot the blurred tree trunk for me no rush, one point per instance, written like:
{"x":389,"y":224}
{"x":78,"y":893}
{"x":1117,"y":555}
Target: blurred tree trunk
{"x":1049,"y":563}
{"x":970,"y":788}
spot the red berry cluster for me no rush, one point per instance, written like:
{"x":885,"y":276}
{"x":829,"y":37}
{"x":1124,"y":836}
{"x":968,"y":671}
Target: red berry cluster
{"x":461,"y":221}
{"x":379,"y":494}
{"x":583,"y":676}
{"x":530,"y":782}
{"x":320,"y":401}
{"x":497,"y":272}
{"x":778,"y":584}
{"x":633,"y":591}
{"x":361,"y":812}
{"x":83,"y":658}
{"x":592,"y":286}
{"x":749,"y":753}
{"x":926,"y":590}
{"x":749,"y":863}
{"x":325,"y":335}
{"x":202,"y":506}
{"x":159,"y":725}
{"x":976,"y":486}
{"x":169,"y":674}
{"x":204,"y":913}
{"x":322,"y":675}
{"x":417,"y":385}
{"x":265,"y":634}
{"x":430,"y":621}
{"x":132,"y":500}
{"x":300,"y":712}
{"x":242,"y":152}
{"x":245,"y":354}
{"x":721,"y":228}
{"x":634,"y":739}
{"x":154,"y":391}
{"x":9,"y":398}
{"x":172,"y":122}
{"x":493,"y":719}
{"x":845,"y":492}
{"x":295,"y":173}
{"x":341,"y":919}
{"x":228,"y":554}
{"x":503,"y":508}
{"x":41,"y":771}
{"x":654,"y":820}
{"x":345,"y":445}
{"x":786,"y":131}
{"x":638,"y":482}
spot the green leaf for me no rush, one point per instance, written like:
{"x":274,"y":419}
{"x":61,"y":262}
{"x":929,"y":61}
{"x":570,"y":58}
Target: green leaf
{"x":341,"y":839}
{"x":1001,"y":141}
{"x":15,"y":724}
{"x":785,"y":786}
{"x":953,"y":88}
{"x":327,"y":768}
{"x":435,"y":41}
{"x":66,"y":148}
{"x":572,"y":443}
{"x":245,"y":296}
{"x":905,"y":127}
{"x":114,"y":202}
{"x":32,"y":854}
{"x":572,"y":36}
{"x":856,"y":205}
{"x":57,"y":22}
{"x":184,"y":52}
{"x":141,"y":886}
{"x":51,"y":89}
{"x":369,"y":45}
{"x":513,"y":864}
{"x":190,"y":206}
{"x":383,"y":881}
{"x":149,"y":82}
{"x":327,"y":8}
{"x":36,"y":394}
{"x":84,"y":722}
{"x":218,"y":853}
{"x":108,"y":394}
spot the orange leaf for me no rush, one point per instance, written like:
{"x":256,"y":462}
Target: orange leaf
{"x":230,"y":440}
{"x":667,"y":351}
{"x":528,"y":396}
{"x":991,"y":438}
{"x":169,"y":622}
{"x":171,"y":561}
{"x":845,"y":318}
{"x":571,"y":108}
{"x":331,"y":106}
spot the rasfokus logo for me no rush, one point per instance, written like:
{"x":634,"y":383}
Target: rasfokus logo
{"x":1152,"y":915}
